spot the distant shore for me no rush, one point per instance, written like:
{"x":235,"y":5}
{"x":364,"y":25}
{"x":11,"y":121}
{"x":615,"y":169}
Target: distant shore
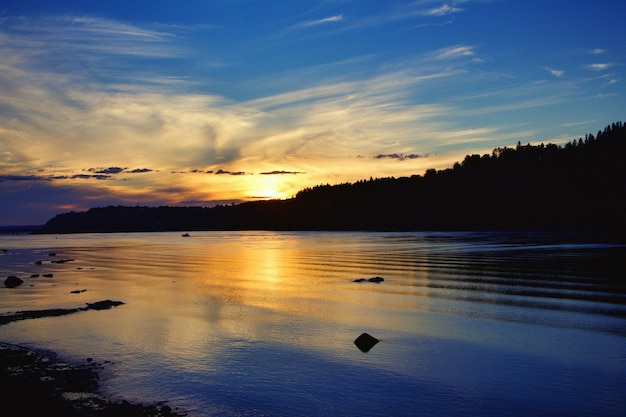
{"x":19,"y":230}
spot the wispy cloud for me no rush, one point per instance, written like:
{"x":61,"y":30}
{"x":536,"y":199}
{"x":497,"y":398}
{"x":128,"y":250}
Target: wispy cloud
{"x":110,"y":170}
{"x":119,"y":170}
{"x":443,"y":10}
{"x":400,"y":156}
{"x":281,"y":172}
{"x":23,"y":178}
{"x":599,"y":66}
{"x":227,"y":172}
{"x":82,"y":177}
{"x":453,"y":52}
{"x":555,"y":72}
{"x":330,"y":19}
{"x":77,"y":35}
{"x":419,"y":13}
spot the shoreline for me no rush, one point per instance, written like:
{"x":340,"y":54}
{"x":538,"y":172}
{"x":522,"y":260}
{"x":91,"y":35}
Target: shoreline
{"x":38,"y":382}
{"x":35,"y":381}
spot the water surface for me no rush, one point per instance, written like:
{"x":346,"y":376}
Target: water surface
{"x":263,"y":323}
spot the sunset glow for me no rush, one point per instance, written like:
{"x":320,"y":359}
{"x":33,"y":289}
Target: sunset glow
{"x":205,"y":103}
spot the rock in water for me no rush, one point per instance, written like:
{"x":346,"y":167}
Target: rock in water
{"x":373,"y":279}
{"x":365,"y":342}
{"x":103,"y":305}
{"x":12,"y":281}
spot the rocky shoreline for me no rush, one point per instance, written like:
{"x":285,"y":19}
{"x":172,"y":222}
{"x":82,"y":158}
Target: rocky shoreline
{"x":39,"y":384}
{"x":36,"y":383}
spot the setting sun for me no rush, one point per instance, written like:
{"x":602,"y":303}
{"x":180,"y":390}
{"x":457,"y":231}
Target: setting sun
{"x":267,"y":187}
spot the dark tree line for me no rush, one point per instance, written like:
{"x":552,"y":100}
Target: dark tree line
{"x":580,"y":186}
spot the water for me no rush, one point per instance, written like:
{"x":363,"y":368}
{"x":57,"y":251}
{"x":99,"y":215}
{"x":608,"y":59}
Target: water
{"x":263,"y":323}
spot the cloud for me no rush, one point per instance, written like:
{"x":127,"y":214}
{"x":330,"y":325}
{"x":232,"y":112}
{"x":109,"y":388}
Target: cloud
{"x":599,"y":66}
{"x":22,"y":178}
{"x":81,"y":177}
{"x":119,"y":170}
{"x":443,"y":10}
{"x":96,"y":35}
{"x":54,"y":177}
{"x":281,"y":173}
{"x":195,"y":171}
{"x":330,"y":19}
{"x":417,"y":14}
{"x":400,"y":156}
{"x":110,"y":170}
{"x":226,"y":172}
{"x":556,"y":73}
{"x":453,"y":52}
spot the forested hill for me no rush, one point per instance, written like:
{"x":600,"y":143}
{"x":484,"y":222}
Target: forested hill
{"x":580,"y":186}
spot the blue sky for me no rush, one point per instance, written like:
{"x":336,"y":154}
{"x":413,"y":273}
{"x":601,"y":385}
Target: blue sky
{"x":203,"y":102}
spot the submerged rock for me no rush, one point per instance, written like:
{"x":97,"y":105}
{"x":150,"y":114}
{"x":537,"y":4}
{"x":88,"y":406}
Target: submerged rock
{"x":365,"y":342}
{"x":12,"y":281}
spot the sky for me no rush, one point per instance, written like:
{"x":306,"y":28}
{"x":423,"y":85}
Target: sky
{"x":198,"y":102}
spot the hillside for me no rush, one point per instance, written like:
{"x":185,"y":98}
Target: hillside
{"x":577,"y":187}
